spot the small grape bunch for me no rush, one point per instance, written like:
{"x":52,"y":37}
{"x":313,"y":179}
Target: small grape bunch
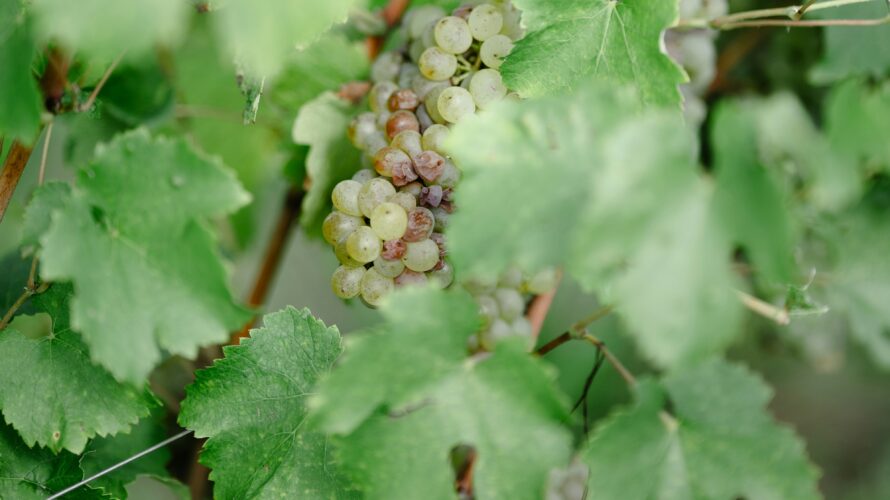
{"x":388,"y":224}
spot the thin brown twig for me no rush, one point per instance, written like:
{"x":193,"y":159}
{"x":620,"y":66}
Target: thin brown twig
{"x":98,"y":88}
{"x":612,"y":359}
{"x":538,"y":309}
{"x":13,"y":168}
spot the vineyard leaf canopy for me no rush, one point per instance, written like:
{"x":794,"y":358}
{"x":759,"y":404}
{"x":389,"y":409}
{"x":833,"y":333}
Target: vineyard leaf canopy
{"x":718,"y":443}
{"x":19,"y":99}
{"x":405,"y":395}
{"x":252,"y":406}
{"x":854,"y":50}
{"x":569,"y":41}
{"x":616,"y":172}
{"x":77,"y":399}
{"x":133,"y":240}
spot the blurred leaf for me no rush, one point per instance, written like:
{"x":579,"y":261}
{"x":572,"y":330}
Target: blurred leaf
{"x":135,"y":224}
{"x":78,"y":401}
{"x":322,"y":125}
{"x":749,"y":202}
{"x":719,"y":443}
{"x":857,"y":121}
{"x":572,"y":41}
{"x":138,"y":93}
{"x":404,"y":395}
{"x":106,"y":28}
{"x":854,"y":50}
{"x":20,"y":102}
{"x":105,"y":452}
{"x":252,"y":406}
{"x":261,"y":35}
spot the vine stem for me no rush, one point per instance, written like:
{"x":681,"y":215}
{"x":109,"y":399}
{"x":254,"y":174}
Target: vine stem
{"x":793,"y":13}
{"x":391,"y":14}
{"x":764,"y":309}
{"x":13,"y":167}
{"x":539,"y":307}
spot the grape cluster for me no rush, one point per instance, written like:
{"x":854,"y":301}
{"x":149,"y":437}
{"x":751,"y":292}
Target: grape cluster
{"x":569,"y":483}
{"x":389,"y":221}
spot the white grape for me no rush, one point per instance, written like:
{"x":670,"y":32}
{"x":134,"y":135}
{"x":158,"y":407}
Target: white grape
{"x":404,"y":200}
{"x":442,"y":217}
{"x":422,"y":17}
{"x":338,"y":225}
{"x":364,"y":175}
{"x":361,"y":127}
{"x":488,"y":309}
{"x":373,"y":193}
{"x":342,"y":253}
{"x":453,"y":35}
{"x":378,"y":97}
{"x":487,"y":87}
{"x":345,"y":197}
{"x":389,"y":221}
{"x":433,"y":138}
{"x":543,"y":281}
{"x":497,"y":331}
{"x":450,"y":175}
{"x":431,"y":103}
{"x":386,"y":67}
{"x":407,"y":74}
{"x":388,"y":268}
{"x":346,"y":281}
{"x":443,"y":276}
{"x":455,"y":104}
{"x":511,"y":278}
{"x":436,"y":64}
{"x":494,"y":50}
{"x":375,"y":287}
{"x":485,"y":21}
{"x":521,"y":327}
{"x":408,"y":141}
{"x":422,"y":86}
{"x":363,"y":245}
{"x":510,"y":303}
{"x":421,"y":256}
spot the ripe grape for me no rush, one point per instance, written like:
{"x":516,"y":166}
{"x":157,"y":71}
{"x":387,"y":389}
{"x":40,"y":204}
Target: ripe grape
{"x":421,"y":256}
{"x":409,"y":277}
{"x":420,"y":225}
{"x":494,"y":50}
{"x":363,"y":245}
{"x":403,"y":99}
{"x":343,"y":255}
{"x":388,"y":268}
{"x":420,"y":17}
{"x":429,"y":165}
{"x":510,"y":303}
{"x":363,"y":175}
{"x":389,"y":221}
{"x":394,"y":249}
{"x":386,"y":67}
{"x":338,"y":225}
{"x":345,"y":197}
{"x":443,"y":274}
{"x":433,"y":138}
{"x":487,"y":87}
{"x":450,"y":175}
{"x":400,"y":121}
{"x":452,"y":34}
{"x":378,"y":97}
{"x":455,"y":104}
{"x":485,"y":21}
{"x":436,"y":64}
{"x":543,"y":281}
{"x":408,"y":141}
{"x":388,"y":159}
{"x":346,"y":281}
{"x":373,"y":193}
{"x":404,"y":200}
{"x":374,"y":287}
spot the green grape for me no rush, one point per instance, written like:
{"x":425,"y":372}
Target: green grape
{"x":378,"y":97}
{"x":415,"y":50}
{"x":450,"y":175}
{"x":421,"y":17}
{"x":436,"y":64}
{"x":441,"y":216}
{"x":421,"y":256}
{"x":412,"y":188}
{"x":375,"y":142}
{"x":345,"y":197}
{"x":408,"y":141}
{"x":494,"y":50}
{"x":342,"y":253}
{"x":363,"y":245}
{"x":361,"y":127}
{"x":347,"y":281}
{"x":375,"y":287}
{"x":373,"y":193}
{"x":433,"y":138}
{"x":521,"y":327}
{"x":431,"y":103}
{"x":510,"y":303}
{"x":511,"y":278}
{"x":543,"y":281}
{"x":488,"y":309}
{"x":453,"y":35}
{"x":386,"y":67}
{"x":364,"y":175}
{"x":497,"y":331}
{"x":389,"y":221}
{"x":407,"y":74}
{"x":487,"y":87}
{"x":388,"y":268}
{"x":422,"y":86}
{"x":409,"y":277}
{"x":512,"y":21}
{"x":443,"y":276}
{"x":404,"y":200}
{"x":338,"y":225}
{"x":481,"y":285}
{"x":485,"y":21}
{"x":455,"y":104}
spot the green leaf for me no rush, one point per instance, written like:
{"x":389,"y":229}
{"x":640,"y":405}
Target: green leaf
{"x":105,"y":28}
{"x":38,"y":214}
{"x":105,"y":452}
{"x":857,"y":119}
{"x":572,"y":41}
{"x":20,"y":103}
{"x":404,"y":395}
{"x":58,"y":367}
{"x":854,"y":50}
{"x":252,"y":406}
{"x":634,"y":218}
{"x":322,"y":125}
{"x":132,"y":239}
{"x":261,"y":35}
{"x":748,"y":200}
{"x":719,"y":443}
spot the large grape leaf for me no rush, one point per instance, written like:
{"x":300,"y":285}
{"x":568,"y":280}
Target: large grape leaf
{"x":857,"y":119}
{"x":261,"y":35}
{"x":252,"y":406}
{"x":749,"y":202}
{"x":854,"y":50}
{"x":405,"y":395}
{"x":105,"y":28}
{"x":105,"y":452}
{"x":19,"y":99}
{"x":67,"y":414}
{"x":570,"y":41}
{"x":634,"y":217}
{"x":133,"y":240}
{"x":718,"y":443}
{"x":321,"y":124}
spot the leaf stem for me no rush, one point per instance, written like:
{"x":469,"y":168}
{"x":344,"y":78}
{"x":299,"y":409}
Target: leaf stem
{"x":791,"y":13}
{"x":98,"y":88}
{"x":612,"y":359}
{"x":19,"y":302}
{"x":764,"y":309}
